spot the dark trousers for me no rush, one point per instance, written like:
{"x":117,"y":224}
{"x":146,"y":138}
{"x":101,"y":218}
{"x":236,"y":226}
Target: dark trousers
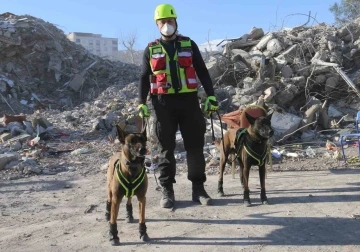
{"x":183,"y":111}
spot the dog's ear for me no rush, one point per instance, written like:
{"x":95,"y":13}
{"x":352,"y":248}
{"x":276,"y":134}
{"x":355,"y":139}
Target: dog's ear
{"x":250,"y":119}
{"x":120,"y":134}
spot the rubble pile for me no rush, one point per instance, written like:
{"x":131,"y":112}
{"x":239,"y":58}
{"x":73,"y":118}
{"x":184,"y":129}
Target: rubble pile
{"x":27,"y":142}
{"x":41,"y":68}
{"x":310,"y":74}
{"x":61,"y":101}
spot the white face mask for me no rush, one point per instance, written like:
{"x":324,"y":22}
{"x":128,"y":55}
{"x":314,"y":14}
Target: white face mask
{"x":167,"y":30}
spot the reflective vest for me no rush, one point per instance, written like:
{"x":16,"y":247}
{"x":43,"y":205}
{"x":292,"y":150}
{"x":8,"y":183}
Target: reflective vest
{"x":160,"y":65}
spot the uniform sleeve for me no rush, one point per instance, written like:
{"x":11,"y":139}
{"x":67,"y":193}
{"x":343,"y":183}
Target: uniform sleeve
{"x":201,"y":70}
{"x":144,"y":84}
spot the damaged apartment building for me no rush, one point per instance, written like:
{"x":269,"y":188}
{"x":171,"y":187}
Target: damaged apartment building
{"x":106,"y":48}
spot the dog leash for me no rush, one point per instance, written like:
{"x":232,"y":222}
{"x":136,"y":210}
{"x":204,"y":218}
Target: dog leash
{"x":221,"y":127}
{"x":145,"y":122}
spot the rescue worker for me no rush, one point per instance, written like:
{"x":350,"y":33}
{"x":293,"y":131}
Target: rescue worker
{"x":169,"y":68}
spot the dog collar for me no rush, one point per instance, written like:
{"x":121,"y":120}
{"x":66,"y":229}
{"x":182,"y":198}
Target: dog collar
{"x":129,"y":186}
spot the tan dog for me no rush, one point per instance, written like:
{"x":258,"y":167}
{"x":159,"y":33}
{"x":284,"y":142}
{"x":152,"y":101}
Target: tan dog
{"x":126,"y":176}
{"x":249,"y":144}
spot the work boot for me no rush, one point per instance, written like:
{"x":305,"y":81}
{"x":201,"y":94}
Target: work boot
{"x":168,"y":197}
{"x":200,"y":195}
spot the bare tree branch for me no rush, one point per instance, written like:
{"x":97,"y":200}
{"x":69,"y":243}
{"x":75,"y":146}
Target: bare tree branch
{"x":128,"y":42}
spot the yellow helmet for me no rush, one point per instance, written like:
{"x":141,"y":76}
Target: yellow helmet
{"x":164,"y":11}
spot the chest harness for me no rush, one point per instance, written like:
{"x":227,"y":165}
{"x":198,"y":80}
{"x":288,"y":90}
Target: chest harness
{"x":242,"y":140}
{"x":130,"y":186}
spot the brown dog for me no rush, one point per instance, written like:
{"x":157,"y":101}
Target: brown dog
{"x":250,"y":147}
{"x":126,"y":176}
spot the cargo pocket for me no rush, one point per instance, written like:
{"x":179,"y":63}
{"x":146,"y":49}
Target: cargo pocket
{"x":162,"y":84}
{"x":161,"y":80}
{"x":185,"y":59}
{"x":191,"y":81}
{"x":158,"y":62}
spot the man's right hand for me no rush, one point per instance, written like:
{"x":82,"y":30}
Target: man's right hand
{"x":143,"y":110}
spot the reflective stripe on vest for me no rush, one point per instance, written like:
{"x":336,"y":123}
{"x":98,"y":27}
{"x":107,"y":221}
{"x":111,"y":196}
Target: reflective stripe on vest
{"x":159,"y":62}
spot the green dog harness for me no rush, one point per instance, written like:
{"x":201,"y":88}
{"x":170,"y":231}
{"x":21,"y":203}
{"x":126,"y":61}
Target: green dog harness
{"x":249,"y":146}
{"x":129,"y":186}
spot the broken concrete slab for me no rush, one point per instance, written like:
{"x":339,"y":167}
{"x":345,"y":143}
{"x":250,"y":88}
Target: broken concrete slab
{"x":285,"y":96}
{"x":77,"y":81}
{"x":274,"y":46}
{"x":264,"y":41}
{"x":290,"y":53}
{"x":256,"y":33}
{"x":284,"y":124}
{"x":214,"y":70}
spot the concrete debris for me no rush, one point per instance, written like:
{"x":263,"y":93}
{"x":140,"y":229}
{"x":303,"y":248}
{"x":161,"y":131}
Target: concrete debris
{"x":290,"y":68}
{"x":37,"y":60}
{"x":61,"y":101}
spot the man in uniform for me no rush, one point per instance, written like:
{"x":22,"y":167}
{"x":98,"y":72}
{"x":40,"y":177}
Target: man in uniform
{"x":169,"y":69}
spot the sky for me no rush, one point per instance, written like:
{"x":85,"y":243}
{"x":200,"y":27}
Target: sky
{"x":198,"y":19}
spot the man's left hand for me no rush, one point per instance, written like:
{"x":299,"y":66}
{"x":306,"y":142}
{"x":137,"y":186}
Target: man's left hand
{"x":211,"y":105}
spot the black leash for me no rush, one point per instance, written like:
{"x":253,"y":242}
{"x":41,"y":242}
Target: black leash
{"x":222,"y":135}
{"x":145,"y":121}
{"x":221,"y":127}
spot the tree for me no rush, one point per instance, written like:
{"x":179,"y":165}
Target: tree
{"x":128,"y":42}
{"x":345,"y":11}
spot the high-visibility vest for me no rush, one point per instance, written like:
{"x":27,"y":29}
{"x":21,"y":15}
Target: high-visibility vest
{"x":160,"y":66}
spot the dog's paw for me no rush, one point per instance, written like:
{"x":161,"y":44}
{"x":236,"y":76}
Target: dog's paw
{"x":247,"y":203}
{"x":129,"y":219}
{"x":145,"y":237}
{"x":115,"y":242}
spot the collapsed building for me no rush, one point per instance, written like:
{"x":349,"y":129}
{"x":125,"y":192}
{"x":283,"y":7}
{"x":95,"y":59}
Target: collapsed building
{"x":311,"y":74}
{"x":41,"y":68}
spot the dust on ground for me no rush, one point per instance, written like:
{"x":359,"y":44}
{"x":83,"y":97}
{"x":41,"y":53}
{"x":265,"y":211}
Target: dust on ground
{"x":308,"y":211}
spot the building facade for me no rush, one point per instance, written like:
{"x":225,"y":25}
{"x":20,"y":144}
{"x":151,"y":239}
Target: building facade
{"x":106,"y":48}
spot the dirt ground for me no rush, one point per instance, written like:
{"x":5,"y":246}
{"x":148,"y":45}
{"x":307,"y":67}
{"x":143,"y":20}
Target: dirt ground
{"x":308,"y":211}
